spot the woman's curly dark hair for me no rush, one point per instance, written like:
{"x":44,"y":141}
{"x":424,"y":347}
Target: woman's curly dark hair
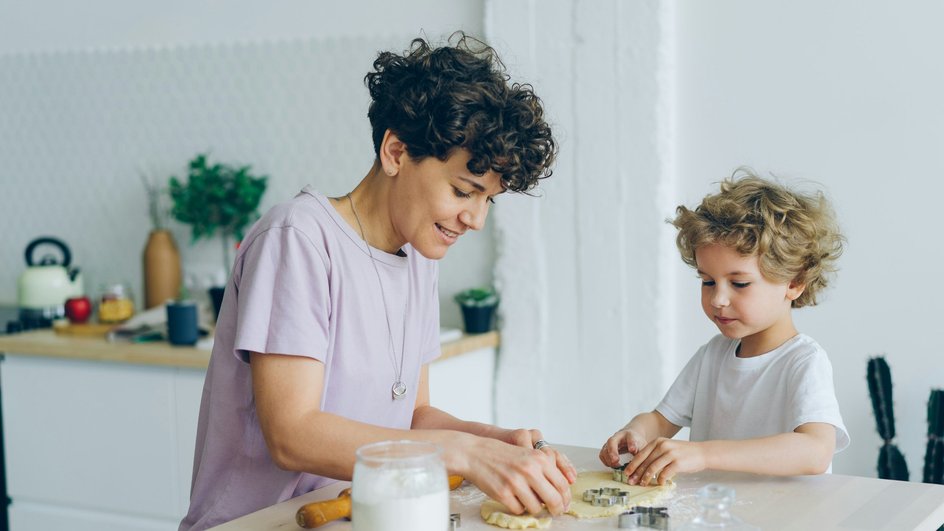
{"x":459,"y":96}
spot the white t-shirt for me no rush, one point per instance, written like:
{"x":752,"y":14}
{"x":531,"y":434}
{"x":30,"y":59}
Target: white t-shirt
{"x":722,"y":396}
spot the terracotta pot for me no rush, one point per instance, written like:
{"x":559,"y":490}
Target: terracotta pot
{"x":161,"y":269}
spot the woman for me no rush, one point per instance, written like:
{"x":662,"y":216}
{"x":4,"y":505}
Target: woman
{"x":332,"y":315}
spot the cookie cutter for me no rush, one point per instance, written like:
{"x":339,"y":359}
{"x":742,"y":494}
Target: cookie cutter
{"x":455,"y":521}
{"x":606,"y":497}
{"x":630,"y":520}
{"x":619,"y":473}
{"x":640,"y":516}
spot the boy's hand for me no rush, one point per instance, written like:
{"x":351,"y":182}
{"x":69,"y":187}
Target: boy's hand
{"x":623,"y":441}
{"x":661,"y":459}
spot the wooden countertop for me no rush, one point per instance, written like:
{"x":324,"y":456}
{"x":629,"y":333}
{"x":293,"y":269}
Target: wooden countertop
{"x":824,"y":502}
{"x":51,"y":344}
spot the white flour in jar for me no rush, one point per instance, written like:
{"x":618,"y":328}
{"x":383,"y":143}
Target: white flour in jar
{"x":429,"y":512}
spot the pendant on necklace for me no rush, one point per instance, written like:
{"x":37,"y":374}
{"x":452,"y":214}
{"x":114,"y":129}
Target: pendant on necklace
{"x":398,"y":390}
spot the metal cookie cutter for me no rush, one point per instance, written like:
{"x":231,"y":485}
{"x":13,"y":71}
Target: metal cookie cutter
{"x":619,"y":473}
{"x":651,"y":517}
{"x":630,"y":520}
{"x":606,"y":497}
{"x":455,"y":521}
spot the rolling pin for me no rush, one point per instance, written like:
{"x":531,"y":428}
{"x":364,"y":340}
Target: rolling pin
{"x":319,"y":513}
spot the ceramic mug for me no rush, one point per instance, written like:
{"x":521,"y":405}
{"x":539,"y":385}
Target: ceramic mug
{"x":182,"y":326}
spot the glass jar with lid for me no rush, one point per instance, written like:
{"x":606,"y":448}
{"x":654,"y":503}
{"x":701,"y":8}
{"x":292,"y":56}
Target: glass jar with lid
{"x":400,"y":485}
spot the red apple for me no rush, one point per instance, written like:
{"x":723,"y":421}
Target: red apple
{"x":78,"y":309}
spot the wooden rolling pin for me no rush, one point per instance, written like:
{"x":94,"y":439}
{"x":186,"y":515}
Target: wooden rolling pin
{"x":319,"y":513}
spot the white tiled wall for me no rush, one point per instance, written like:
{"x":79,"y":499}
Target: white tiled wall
{"x":78,"y":128}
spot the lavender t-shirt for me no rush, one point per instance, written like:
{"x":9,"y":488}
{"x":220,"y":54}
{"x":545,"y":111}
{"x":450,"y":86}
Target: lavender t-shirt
{"x":303,"y":284}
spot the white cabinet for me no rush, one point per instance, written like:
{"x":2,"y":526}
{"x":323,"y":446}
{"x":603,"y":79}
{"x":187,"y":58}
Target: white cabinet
{"x":463,"y":385}
{"x":98,"y":445}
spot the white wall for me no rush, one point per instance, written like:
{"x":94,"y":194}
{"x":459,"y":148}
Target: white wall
{"x":101,"y":90}
{"x":56,"y":25}
{"x":582,"y":268}
{"x":844,"y":93}
{"x":653,"y":101}
{"x":847,"y":94}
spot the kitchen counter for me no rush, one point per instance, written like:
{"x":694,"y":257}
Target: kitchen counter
{"x":49,"y":343}
{"x":101,"y":435}
{"x":824,"y":502}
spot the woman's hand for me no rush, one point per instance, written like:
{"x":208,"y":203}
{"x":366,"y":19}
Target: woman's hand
{"x":501,"y":462}
{"x":529,"y":439}
{"x":661,"y":459}
{"x":621,"y":442}
{"x":522,"y":437}
{"x":520,"y":477}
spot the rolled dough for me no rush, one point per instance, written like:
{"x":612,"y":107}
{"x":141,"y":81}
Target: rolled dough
{"x":498,"y":515}
{"x":638,"y":495}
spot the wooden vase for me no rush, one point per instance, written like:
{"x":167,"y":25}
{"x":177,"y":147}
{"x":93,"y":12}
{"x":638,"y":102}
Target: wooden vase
{"x":161,"y":269}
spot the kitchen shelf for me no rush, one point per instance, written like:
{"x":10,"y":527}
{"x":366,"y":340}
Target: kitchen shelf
{"x":51,"y":344}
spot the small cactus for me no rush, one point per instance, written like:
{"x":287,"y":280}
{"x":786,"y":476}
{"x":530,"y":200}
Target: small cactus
{"x":934,"y":457}
{"x":891,"y":463}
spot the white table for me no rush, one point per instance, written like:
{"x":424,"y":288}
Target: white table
{"x":819,"y":503}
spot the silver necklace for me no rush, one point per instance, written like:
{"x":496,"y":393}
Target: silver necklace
{"x":398,"y":391}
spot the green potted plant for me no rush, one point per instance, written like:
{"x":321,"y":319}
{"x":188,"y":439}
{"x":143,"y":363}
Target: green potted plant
{"x":478,"y":308}
{"x":217,"y":199}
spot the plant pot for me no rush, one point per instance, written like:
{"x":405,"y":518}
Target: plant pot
{"x":216,"y":296}
{"x":478,"y":319}
{"x":182,"y":328}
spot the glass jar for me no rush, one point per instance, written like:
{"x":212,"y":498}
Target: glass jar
{"x":116,"y":304}
{"x":400,"y":485}
{"x":713,"y":503}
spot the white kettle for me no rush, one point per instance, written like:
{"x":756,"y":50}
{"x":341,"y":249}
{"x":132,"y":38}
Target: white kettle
{"x":46,"y":284}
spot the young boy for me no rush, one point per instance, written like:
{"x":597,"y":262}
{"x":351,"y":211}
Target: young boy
{"x":758,"y":397}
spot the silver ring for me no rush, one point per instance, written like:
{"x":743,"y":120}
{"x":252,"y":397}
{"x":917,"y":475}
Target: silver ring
{"x":540,"y":444}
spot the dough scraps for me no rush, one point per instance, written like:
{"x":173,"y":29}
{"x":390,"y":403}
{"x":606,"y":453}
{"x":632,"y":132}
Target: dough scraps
{"x":638,"y":495}
{"x":498,"y":515}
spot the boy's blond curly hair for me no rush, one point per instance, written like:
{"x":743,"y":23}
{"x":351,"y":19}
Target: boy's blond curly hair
{"x":794,"y":235}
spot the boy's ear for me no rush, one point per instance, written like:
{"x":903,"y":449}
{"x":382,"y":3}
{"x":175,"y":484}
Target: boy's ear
{"x":794,"y":290}
{"x":392,"y":153}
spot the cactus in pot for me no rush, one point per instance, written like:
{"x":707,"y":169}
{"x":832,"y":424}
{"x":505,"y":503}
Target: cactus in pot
{"x":891,"y":463}
{"x":934,"y":457}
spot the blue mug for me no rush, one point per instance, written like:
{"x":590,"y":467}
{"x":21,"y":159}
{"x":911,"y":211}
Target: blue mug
{"x":182,"y":326}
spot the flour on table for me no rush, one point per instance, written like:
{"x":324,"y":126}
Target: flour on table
{"x":498,"y":515}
